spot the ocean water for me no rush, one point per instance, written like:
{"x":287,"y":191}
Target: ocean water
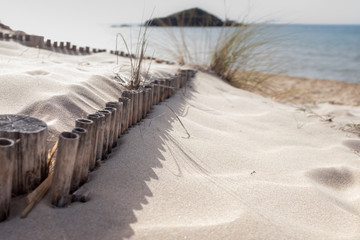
{"x":311,"y":51}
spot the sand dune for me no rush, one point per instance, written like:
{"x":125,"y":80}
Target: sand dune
{"x":244,"y":166}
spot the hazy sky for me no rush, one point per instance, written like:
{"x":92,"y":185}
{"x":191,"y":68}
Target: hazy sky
{"x":38,"y":16}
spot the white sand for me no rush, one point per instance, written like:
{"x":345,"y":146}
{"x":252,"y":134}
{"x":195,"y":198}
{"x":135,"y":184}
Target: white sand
{"x":251,"y":168}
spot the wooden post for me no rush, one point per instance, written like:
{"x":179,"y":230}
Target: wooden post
{"x":55,"y":44}
{"x":29,"y":134}
{"x":134,"y":96}
{"x":162,"y":90}
{"x":81,"y":165}
{"x":90,"y":129}
{"x":145,"y":102}
{"x":158,"y":91}
{"x":107,"y":125}
{"x":148,"y":99}
{"x":64,"y":166}
{"x":7,"y":162}
{"x":140,"y":104}
{"x":48,"y":43}
{"x":119,"y":108}
{"x":125,"y":114}
{"x":113,"y":130}
{"x":128,"y":94}
{"x":99,"y":121}
{"x":62,"y":45}
{"x":68,"y":44}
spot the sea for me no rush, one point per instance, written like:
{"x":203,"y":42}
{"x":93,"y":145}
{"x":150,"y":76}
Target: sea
{"x":311,"y":51}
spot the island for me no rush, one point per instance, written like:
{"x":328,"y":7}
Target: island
{"x":194,"y":17}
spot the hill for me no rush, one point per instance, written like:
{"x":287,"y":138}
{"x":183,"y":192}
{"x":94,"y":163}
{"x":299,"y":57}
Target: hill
{"x":194,"y":17}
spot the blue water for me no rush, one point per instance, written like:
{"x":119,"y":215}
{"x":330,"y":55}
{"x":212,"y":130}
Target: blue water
{"x":311,"y":51}
{"x":321,"y":51}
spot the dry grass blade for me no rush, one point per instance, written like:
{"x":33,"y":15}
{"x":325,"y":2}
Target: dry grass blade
{"x":179,"y":121}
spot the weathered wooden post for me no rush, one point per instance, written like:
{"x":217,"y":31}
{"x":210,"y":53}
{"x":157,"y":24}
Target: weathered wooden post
{"x":48,"y":43}
{"x":90,"y":129}
{"x":134,"y":96}
{"x":162,"y":90}
{"x":7,"y":162}
{"x":158,"y":91}
{"x":148,"y":99}
{"x":62,"y":45}
{"x":30,"y":135}
{"x":140,"y":104}
{"x":73,"y":48}
{"x":127,"y":94}
{"x":107,"y":125}
{"x":125,"y":114}
{"x":55,"y":44}
{"x":68,"y":44}
{"x":64,"y":167}
{"x":87,"y":50}
{"x":145,"y":101}
{"x":119,"y":112}
{"x":99,"y":121}
{"x":112,"y":132}
{"x":81,"y":165}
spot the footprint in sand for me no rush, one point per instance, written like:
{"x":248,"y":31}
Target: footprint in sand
{"x":353,"y":145}
{"x":37,"y":72}
{"x":336,"y":178}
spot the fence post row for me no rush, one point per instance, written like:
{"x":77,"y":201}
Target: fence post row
{"x":78,"y":151}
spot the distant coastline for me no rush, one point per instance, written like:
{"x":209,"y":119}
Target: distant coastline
{"x":194,"y":17}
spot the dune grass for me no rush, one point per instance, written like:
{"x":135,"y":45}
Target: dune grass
{"x":138,"y":68}
{"x":239,"y":54}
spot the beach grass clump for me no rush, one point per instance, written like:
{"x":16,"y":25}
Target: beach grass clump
{"x":240,"y":53}
{"x":138,"y":67}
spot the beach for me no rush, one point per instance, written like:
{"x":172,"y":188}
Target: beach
{"x":211,"y":162}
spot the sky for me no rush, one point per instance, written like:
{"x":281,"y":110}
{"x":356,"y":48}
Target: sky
{"x":42,"y":16}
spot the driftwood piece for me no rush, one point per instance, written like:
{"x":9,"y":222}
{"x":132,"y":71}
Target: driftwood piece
{"x":29,"y":135}
{"x":125,"y":114}
{"x":36,"y":195}
{"x":81,"y":195}
{"x":91,"y":135}
{"x":64,"y":166}
{"x":81,"y":165}
{"x":7,"y":162}
{"x":98,"y":120}
{"x":107,"y":124}
{"x":113,"y":129}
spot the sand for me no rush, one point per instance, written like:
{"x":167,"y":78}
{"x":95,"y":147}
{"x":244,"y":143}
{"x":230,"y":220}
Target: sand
{"x":250,"y":168}
{"x":297,"y":90}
